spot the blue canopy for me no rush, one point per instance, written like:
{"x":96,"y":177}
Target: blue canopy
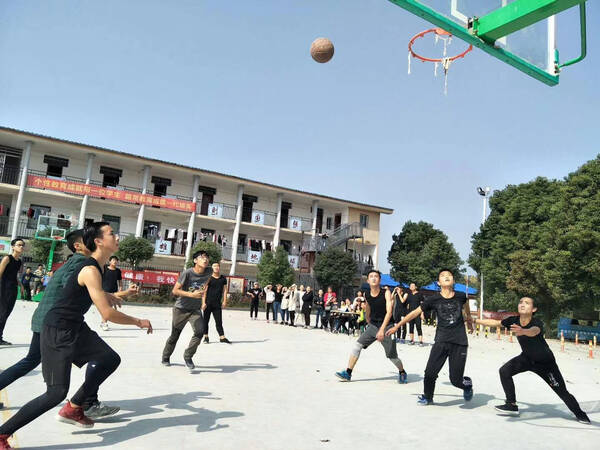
{"x":458,"y":287}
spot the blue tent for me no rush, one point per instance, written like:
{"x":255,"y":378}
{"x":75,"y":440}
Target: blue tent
{"x":458,"y":287}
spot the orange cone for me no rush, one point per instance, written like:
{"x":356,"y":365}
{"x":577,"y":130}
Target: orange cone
{"x":497,"y":333}
{"x":562,"y":341}
{"x":591,"y":354}
{"x":576,"y":338}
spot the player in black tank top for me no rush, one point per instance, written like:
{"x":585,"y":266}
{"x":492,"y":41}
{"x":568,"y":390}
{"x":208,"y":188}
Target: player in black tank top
{"x":66,"y":339}
{"x":379,"y":306}
{"x":9,"y":269}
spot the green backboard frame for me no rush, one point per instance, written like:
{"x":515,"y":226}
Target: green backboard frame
{"x":502,"y":22}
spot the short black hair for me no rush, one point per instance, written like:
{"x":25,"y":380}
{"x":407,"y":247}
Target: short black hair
{"x":445,"y":269}
{"x":92,"y":232}
{"x":113,"y":257}
{"x":73,"y":237}
{"x":14,"y":241}
{"x":374,"y":271}
{"x":198,"y":253}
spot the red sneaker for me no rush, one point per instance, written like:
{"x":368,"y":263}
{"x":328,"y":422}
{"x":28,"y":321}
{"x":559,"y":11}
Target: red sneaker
{"x":4,"y":445}
{"x":74,"y":416}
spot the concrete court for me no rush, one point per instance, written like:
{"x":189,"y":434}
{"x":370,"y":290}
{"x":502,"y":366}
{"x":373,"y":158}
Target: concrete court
{"x":274,"y":388}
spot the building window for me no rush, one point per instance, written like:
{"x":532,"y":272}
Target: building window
{"x":328,"y":225}
{"x":285,"y":214}
{"x":111,"y":176}
{"x":247,"y":207}
{"x":364,"y":220}
{"x":55,"y":165}
{"x":160,"y":186}
{"x":208,"y":197}
{"x":33,"y":214}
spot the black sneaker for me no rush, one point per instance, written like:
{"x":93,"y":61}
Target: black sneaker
{"x":225,"y":341}
{"x":583,"y":418}
{"x":189,"y":364}
{"x":206,"y":339}
{"x":166,"y":362}
{"x":3,"y":342}
{"x":508,"y":409}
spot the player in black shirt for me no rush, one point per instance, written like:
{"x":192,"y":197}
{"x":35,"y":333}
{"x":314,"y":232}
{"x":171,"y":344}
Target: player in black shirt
{"x":111,"y":279}
{"x":536,"y":357}
{"x":414,"y":300}
{"x":215,"y":299}
{"x":66,"y":339}
{"x":9,"y":269}
{"x":450,"y":337}
{"x":379,"y":308}
{"x":254,"y":294}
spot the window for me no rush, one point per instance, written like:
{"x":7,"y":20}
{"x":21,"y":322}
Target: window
{"x":113,"y":221}
{"x":34,"y":212}
{"x":248,"y":204}
{"x":364,"y":220}
{"x":55,"y":165}
{"x":111,"y":176}
{"x":328,"y":226}
{"x":319,"y":220}
{"x":151,"y":230}
{"x":208,"y":197}
{"x":285,"y":214}
{"x":160,"y":186}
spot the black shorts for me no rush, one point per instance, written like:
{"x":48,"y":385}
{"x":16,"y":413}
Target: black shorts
{"x":63,"y":347}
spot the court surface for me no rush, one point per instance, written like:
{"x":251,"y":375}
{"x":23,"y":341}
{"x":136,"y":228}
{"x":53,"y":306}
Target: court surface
{"x":274,"y":388}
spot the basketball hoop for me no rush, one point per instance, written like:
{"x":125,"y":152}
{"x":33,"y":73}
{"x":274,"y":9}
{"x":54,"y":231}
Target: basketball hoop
{"x":445,"y":61}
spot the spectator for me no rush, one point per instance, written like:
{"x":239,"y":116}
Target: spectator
{"x":26,"y":280}
{"x":269,"y":299}
{"x":329,"y":300}
{"x":307,"y":301}
{"x":361,"y":321}
{"x":319,"y":307}
{"x":38,"y":278}
{"x":293,"y":301}
{"x":254,"y":293}
{"x":111,"y":281}
{"x":277,"y":303}
{"x":400,"y":310}
{"x":285,"y":314}
{"x":301,"y":291}
{"x":47,"y":278}
{"x":358,"y":299}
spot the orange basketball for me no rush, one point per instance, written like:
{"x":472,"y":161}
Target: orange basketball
{"x":321,"y":50}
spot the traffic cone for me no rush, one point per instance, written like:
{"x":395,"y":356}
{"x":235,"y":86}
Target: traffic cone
{"x":562,"y":341}
{"x":497,"y":333}
{"x":594,"y":342}
{"x":486,"y":331}
{"x":576,"y":338}
{"x":591,"y":353}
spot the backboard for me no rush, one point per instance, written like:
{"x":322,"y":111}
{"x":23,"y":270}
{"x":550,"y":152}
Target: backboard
{"x":521,"y":33}
{"x":51,"y":228}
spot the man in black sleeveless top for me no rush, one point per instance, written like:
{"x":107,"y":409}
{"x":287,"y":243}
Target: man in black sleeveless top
{"x":66,"y":339}
{"x":379,"y":309}
{"x":450,"y":337}
{"x":9,"y":269}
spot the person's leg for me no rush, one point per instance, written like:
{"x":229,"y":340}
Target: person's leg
{"x":24,"y":366}
{"x":179,"y":320}
{"x":551,"y":375}
{"x":8,"y":298}
{"x":26,"y":292}
{"x":363,"y":342}
{"x":292,"y":317}
{"x":218,"y":315}
{"x":436,"y":361}
{"x":207,"y":312}
{"x":419,"y":328}
{"x":403,"y":331}
{"x":319,"y":317}
{"x":197,"y":322}
{"x":411,"y":331}
{"x":255,"y":305}
{"x":276,"y":309}
{"x":307,"y":317}
{"x":518,"y":364}
{"x":457,"y":358}
{"x":391,"y":352}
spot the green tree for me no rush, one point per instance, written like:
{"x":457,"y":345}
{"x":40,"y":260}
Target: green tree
{"x":335,"y":267}
{"x":135,"y":250}
{"x":212,"y":250}
{"x":40,"y":249}
{"x":274,"y":268}
{"x":419,"y":252}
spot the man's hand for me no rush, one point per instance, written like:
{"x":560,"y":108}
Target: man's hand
{"x":203,"y":306}
{"x":391,"y":330}
{"x":114,"y":301}
{"x":380,"y":335}
{"x":470,"y":325}
{"x":517,"y":330}
{"x":134,"y":289}
{"x":145,"y":323}
{"x":197,"y":293}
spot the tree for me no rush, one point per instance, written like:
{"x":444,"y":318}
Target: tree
{"x":212,"y":250}
{"x":274,"y":268}
{"x":419,"y":252}
{"x":335,"y":267}
{"x":135,"y":250}
{"x":40,"y":249}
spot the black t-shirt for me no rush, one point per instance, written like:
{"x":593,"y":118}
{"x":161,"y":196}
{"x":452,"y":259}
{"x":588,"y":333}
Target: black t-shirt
{"x":9,"y":276}
{"x":214,"y":293}
{"x":110,"y":280}
{"x":307,"y":299}
{"x":413,"y":301}
{"x":450,"y":325}
{"x":69,"y":309}
{"x":256,"y":293}
{"x":26,"y":279}
{"x":278,"y":296}
{"x":535,"y":348}
{"x":377,"y":305}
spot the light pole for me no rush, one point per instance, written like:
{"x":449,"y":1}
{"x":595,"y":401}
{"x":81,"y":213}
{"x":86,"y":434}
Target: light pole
{"x":484,"y":193}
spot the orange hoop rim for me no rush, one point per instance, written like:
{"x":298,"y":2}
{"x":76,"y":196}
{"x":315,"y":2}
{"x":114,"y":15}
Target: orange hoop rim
{"x":438,"y":32}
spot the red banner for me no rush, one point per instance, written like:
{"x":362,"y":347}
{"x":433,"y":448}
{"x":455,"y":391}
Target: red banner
{"x":71,"y":187}
{"x":150,"y":276}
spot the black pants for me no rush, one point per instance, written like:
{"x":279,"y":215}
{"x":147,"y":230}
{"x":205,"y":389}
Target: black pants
{"x":8,"y":297}
{"x":457,"y":358}
{"x":327,"y":320}
{"x":254,"y":307}
{"x":403,"y":330}
{"x":26,"y":292}
{"x":549,"y":372}
{"x":416,"y":322}
{"x":217,"y":312}
{"x":269,"y":307}
{"x":180,"y":318}
{"x":306,"y":312}
{"x":60,"y":349}
{"x":292,"y":317}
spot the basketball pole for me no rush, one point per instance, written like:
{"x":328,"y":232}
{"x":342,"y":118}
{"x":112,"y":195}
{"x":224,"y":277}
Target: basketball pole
{"x":484,"y":193}
{"x":51,"y":255}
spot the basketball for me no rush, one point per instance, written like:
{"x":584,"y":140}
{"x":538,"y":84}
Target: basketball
{"x":321,"y":50}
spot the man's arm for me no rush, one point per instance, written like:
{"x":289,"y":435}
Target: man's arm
{"x":529,"y":332}
{"x":413,"y":314}
{"x":3,"y":264}
{"x":389,"y":308}
{"x":367,"y":312}
{"x":178,"y":292}
{"x":225,"y":291}
{"x":488,"y":322}
{"x":132,"y":290}
{"x":467,"y":315}
{"x":90,"y":278}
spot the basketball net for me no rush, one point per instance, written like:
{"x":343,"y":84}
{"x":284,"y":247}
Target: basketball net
{"x":445,"y":61}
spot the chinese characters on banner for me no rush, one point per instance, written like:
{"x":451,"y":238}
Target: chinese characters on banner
{"x":215,"y":210}
{"x":295,"y":223}
{"x":151,"y":277}
{"x":253,"y":257}
{"x":162,"y":247}
{"x":71,"y":187}
{"x":258,"y":217}
{"x":294,"y":261}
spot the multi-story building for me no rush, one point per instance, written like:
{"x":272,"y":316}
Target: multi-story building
{"x":171,"y":205}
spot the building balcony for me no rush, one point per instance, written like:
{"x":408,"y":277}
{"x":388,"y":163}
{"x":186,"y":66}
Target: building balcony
{"x":10,"y":174}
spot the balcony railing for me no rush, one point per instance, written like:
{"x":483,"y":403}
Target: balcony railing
{"x":10,"y":174}
{"x":218,"y":210}
{"x":25,"y":227}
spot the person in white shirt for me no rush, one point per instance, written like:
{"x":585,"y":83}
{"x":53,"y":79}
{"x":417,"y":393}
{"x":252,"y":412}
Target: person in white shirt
{"x":269,"y":299}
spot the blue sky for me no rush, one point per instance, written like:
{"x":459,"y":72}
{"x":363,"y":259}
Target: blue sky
{"x":230,"y":86}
